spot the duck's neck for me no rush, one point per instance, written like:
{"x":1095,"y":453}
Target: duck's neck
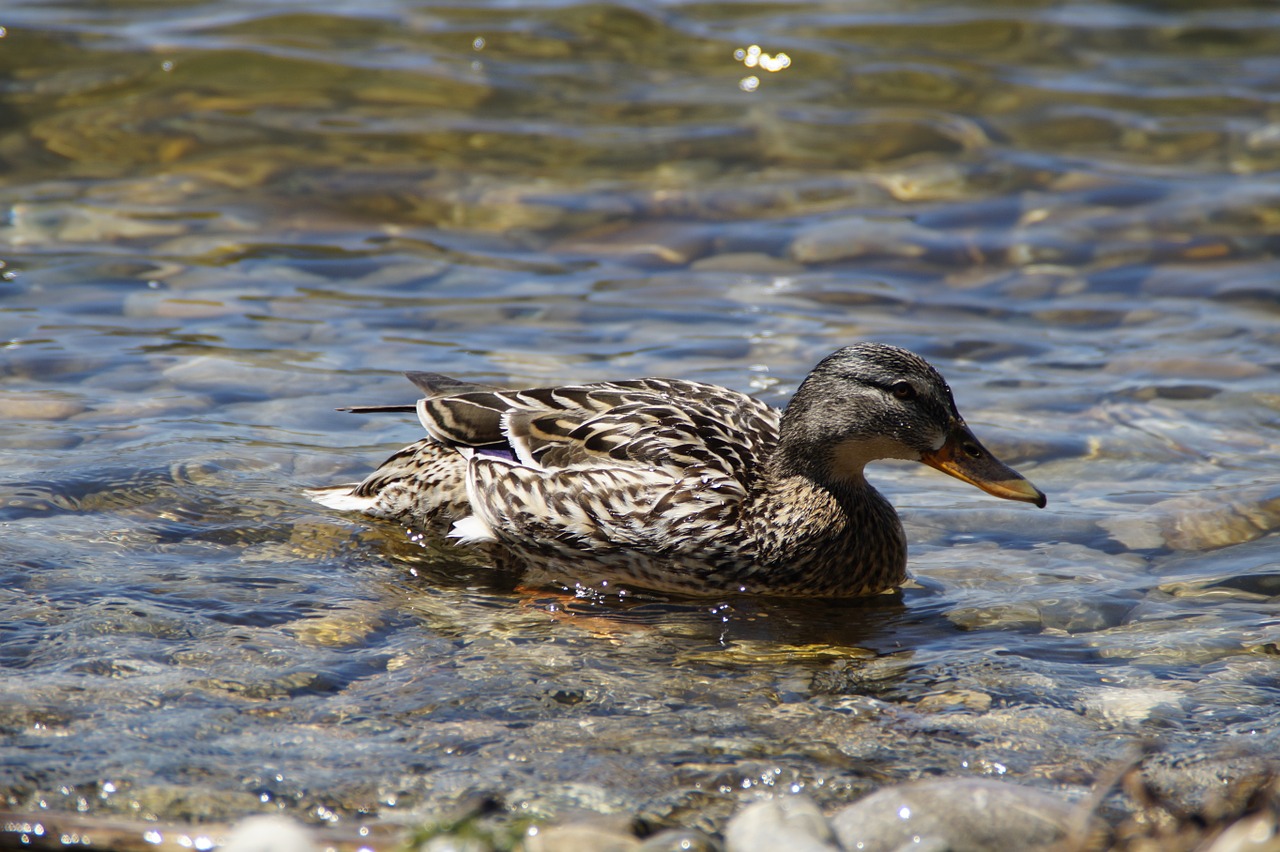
{"x":824,"y":536}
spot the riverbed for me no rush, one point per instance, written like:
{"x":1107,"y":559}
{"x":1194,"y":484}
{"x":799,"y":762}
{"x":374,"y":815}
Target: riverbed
{"x":221,"y":221}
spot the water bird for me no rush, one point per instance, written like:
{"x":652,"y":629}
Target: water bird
{"x":680,"y":486}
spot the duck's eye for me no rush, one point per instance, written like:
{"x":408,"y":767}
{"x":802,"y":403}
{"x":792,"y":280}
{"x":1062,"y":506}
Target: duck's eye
{"x":904,"y":391}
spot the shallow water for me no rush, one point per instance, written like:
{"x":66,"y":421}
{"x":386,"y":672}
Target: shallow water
{"x":224,"y":220}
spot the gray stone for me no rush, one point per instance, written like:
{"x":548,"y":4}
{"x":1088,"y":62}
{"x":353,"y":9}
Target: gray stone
{"x":270,"y":833}
{"x":451,"y":843}
{"x":793,"y":823}
{"x":748,"y":262}
{"x":680,"y":840}
{"x":1201,"y":521}
{"x":38,"y":406}
{"x":580,"y":838}
{"x":858,"y":236}
{"x":1258,"y":833}
{"x":955,"y":814}
{"x":1121,"y":705}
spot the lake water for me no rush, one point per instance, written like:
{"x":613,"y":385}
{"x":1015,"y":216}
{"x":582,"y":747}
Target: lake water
{"x":223,"y":220}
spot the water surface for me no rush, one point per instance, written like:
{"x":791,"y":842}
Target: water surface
{"x":222,"y":220}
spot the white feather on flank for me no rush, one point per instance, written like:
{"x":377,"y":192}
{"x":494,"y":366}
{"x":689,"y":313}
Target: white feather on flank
{"x":519,"y":443}
{"x":340,"y":497}
{"x":471,"y":530}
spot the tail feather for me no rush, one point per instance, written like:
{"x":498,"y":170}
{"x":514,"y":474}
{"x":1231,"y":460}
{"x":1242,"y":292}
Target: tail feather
{"x":438,"y":384}
{"x":340,"y":497}
{"x":375,"y":409}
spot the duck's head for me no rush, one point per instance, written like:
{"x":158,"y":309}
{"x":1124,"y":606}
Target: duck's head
{"x":872,"y":401}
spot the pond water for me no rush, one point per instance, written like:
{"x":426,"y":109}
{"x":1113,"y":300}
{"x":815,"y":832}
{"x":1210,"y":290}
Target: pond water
{"x":223,"y":220}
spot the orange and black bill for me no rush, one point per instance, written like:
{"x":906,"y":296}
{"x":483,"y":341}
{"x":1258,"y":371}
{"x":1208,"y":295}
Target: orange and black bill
{"x":963,"y":457}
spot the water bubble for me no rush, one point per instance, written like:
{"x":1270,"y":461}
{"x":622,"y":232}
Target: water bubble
{"x":749,"y":84}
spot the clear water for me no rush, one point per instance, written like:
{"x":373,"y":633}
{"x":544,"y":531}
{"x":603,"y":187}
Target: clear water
{"x":222,"y":220}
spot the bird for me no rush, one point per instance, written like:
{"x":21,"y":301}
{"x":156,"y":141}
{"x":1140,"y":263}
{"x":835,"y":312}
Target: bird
{"x":678,"y":486}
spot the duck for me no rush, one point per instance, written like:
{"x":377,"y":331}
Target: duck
{"x":679,"y":486}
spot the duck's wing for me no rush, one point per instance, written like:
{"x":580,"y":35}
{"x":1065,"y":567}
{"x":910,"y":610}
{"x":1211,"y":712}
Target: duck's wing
{"x":652,"y":423}
{"x":438,"y":384}
{"x":653,"y":465}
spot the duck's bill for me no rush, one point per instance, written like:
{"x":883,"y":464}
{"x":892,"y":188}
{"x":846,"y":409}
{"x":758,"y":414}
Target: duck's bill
{"x":963,"y":457}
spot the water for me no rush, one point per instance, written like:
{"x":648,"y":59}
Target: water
{"x":224,"y":220}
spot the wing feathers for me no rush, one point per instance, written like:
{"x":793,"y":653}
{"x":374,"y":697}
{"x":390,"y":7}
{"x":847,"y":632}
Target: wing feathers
{"x":614,"y":462}
{"x":438,"y":384}
{"x":651,"y":422}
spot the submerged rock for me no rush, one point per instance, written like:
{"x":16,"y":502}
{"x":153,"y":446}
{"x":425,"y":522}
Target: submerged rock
{"x":955,"y":814}
{"x":270,"y":833}
{"x":793,"y":823}
{"x":1198,"y":522}
{"x":39,"y":406}
{"x":680,"y":840}
{"x":585,"y":837}
{"x":1119,"y":706}
{"x":859,"y":236}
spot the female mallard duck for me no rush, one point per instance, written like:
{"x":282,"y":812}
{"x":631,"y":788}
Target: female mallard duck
{"x":682,"y":486}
